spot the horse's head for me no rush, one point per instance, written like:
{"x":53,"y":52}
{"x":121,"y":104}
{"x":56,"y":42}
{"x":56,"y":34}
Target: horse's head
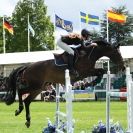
{"x":108,"y":50}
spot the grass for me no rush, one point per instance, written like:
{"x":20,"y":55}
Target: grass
{"x":86,"y":114}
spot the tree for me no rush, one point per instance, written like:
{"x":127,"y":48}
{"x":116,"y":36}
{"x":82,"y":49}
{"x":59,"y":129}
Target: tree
{"x":119,"y":33}
{"x":43,"y":39}
{"x":1,"y":35}
{"x":96,"y":35}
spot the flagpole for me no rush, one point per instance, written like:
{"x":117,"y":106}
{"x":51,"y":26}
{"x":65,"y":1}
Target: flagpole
{"x":80,"y":27}
{"x":108,"y":85}
{"x":4,"y":47}
{"x":107,"y":26}
{"x":55,"y":35}
{"x":28,"y":35}
{"x":4,"y":40}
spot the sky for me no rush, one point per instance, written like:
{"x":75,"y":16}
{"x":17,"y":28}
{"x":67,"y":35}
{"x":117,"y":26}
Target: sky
{"x":70,"y":9}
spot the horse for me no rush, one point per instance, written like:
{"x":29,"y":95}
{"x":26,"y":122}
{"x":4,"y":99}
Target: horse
{"x":31,"y":79}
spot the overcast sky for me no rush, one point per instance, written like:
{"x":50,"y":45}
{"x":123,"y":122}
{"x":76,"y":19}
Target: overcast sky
{"x":70,"y":9}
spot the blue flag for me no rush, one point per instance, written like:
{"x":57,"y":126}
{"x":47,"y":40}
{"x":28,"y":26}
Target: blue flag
{"x":64,"y":24}
{"x":89,"y":19}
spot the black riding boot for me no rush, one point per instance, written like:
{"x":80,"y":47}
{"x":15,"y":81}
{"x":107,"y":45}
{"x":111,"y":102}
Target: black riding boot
{"x":71,"y":65}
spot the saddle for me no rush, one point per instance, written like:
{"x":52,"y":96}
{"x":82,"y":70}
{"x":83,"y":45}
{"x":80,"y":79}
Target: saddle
{"x":62,"y":59}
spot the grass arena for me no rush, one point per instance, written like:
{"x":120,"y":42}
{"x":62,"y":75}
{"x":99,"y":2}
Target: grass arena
{"x":86,"y":114}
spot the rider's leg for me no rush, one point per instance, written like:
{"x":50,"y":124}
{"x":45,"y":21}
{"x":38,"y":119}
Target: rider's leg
{"x":65,"y":47}
{"x":70,"y":52}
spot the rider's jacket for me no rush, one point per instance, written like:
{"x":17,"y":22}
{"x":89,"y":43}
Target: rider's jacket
{"x":72,"y":39}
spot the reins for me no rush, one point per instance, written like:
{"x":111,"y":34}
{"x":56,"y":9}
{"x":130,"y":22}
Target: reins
{"x":90,"y":52}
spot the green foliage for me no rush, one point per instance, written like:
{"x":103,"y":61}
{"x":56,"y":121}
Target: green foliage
{"x":119,"y":33}
{"x":96,"y":35}
{"x":43,"y":39}
{"x":1,"y":35}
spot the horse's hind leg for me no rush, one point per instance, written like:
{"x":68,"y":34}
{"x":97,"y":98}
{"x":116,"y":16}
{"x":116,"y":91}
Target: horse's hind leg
{"x":27,"y":102}
{"x":21,"y":107}
{"x":27,"y":109}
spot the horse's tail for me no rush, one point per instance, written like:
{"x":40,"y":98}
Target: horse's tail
{"x":11,"y":85}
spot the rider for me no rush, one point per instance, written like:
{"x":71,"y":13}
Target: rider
{"x":67,"y":43}
{"x":74,"y":40}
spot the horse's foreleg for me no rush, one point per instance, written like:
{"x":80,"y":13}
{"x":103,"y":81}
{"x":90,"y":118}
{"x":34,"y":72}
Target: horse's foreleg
{"x":21,"y":107}
{"x":97,"y":72}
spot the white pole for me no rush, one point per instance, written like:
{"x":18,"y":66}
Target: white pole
{"x":4,"y":40}
{"x":55,"y":35}
{"x":107,"y":27}
{"x":129,"y":100}
{"x":4,"y":46}
{"x":80,"y":27}
{"x":28,"y":35}
{"x":131,"y":108}
{"x":68,"y":102}
{"x":57,"y":105}
{"x":108,"y":101}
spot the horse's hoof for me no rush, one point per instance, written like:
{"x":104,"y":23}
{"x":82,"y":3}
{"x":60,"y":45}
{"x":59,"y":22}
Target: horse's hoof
{"x":27,"y":124}
{"x":16,"y":112}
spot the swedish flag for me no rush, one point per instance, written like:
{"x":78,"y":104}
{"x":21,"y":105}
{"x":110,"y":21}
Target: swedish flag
{"x":89,"y":19}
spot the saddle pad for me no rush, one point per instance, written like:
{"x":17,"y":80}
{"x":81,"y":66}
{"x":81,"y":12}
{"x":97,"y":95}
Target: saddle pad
{"x":60,"y":62}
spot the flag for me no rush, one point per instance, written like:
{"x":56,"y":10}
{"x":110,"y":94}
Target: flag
{"x":116,"y":17}
{"x":89,"y":19}
{"x":64,"y":24}
{"x":8,"y":26}
{"x":31,"y":29}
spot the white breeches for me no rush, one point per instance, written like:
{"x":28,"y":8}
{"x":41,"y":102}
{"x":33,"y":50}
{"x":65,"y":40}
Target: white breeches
{"x":65,"y":47}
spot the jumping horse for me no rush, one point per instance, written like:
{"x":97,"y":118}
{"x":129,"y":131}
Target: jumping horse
{"x":31,"y":79}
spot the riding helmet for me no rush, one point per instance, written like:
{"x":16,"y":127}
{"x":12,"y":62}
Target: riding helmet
{"x":85,"y":33}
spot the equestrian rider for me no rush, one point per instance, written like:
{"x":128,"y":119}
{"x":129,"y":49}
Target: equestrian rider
{"x":73,"y":40}
{"x":66,"y":42}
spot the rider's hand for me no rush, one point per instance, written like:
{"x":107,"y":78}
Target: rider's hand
{"x":94,"y":44}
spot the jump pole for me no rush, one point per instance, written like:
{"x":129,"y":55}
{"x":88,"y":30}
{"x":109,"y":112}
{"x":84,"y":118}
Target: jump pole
{"x":108,"y":100}
{"x":129,"y":101}
{"x":128,"y":94}
{"x":68,"y":115}
{"x":68,"y":102}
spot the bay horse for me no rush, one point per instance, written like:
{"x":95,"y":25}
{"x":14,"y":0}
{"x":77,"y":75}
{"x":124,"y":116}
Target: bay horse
{"x":32,"y":78}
